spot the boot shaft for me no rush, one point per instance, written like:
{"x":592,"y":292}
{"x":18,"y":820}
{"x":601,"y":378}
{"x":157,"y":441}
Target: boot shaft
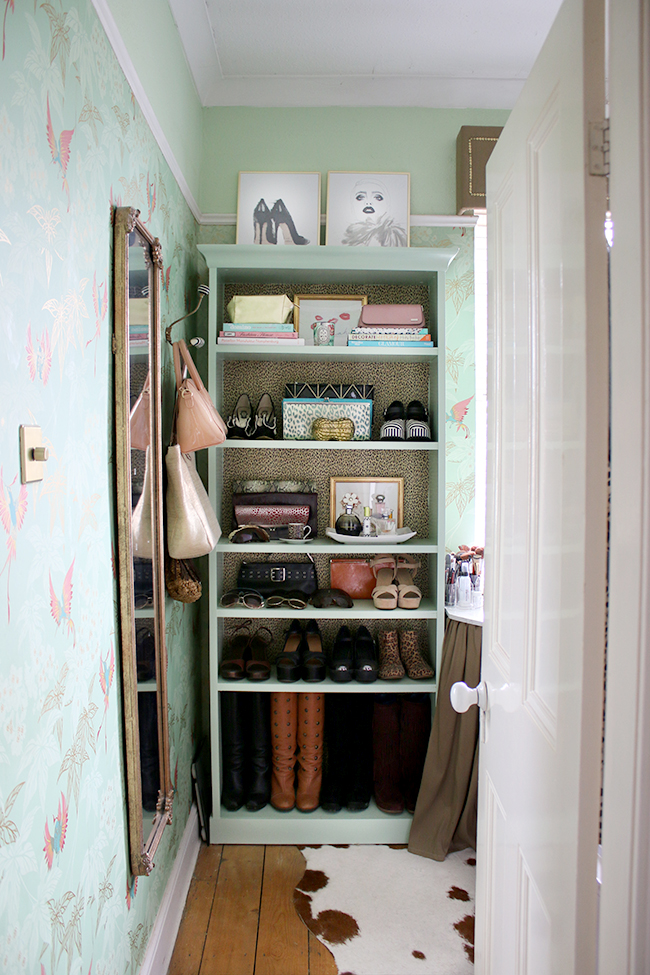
{"x":310,"y":750}
{"x":284,"y":712}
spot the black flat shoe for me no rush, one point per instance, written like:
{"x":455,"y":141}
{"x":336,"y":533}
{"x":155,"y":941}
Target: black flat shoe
{"x":395,"y":418}
{"x":366,"y":664}
{"x":288,"y":663}
{"x":240,"y":422}
{"x":342,"y":657}
{"x":313,"y":665}
{"x":417,"y":422}
{"x":264,"y":424}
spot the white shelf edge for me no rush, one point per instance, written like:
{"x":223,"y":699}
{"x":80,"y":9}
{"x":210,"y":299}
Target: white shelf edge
{"x":321,"y":547}
{"x":403,"y":686}
{"x":328,"y":445}
{"x":362,"y":609}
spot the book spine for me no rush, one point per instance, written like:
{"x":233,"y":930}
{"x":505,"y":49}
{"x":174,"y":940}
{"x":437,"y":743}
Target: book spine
{"x":227,"y":340}
{"x":389,"y":330}
{"x":289,"y":336}
{"x":359,"y":337}
{"x":258,"y":327}
{"x":397,"y":344}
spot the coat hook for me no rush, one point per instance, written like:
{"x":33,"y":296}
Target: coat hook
{"x":203,"y":291}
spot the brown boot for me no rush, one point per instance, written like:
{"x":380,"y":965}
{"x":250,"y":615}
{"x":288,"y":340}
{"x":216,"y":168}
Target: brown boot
{"x":386,"y":756}
{"x":310,"y":751}
{"x":390,"y":666}
{"x":283,"y":738}
{"x":415,"y":729}
{"x":417,"y":667}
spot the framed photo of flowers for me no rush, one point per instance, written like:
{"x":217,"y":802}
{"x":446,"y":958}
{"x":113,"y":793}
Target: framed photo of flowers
{"x":321,"y":320}
{"x":362,"y":492}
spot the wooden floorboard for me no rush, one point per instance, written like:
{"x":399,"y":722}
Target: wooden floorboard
{"x":239,"y":917}
{"x":231,"y":941}
{"x":282,"y":944}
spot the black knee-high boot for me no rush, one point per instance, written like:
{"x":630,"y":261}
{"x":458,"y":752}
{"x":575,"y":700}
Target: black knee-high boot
{"x":359,"y":768}
{"x":234,"y":720}
{"x":259,"y":751}
{"x":415,"y":728}
{"x":333,"y":795}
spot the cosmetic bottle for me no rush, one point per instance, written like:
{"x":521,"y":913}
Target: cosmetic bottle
{"x":367,"y":528}
{"x":464,"y":586}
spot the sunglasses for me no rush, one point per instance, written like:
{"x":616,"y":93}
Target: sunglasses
{"x":331,"y":597}
{"x":243,"y":597}
{"x":294,"y":600}
{"x":249,"y":533}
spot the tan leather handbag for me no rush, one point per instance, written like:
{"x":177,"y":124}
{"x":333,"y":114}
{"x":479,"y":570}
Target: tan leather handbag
{"x":198,"y":423}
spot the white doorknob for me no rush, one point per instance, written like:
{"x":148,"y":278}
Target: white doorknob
{"x":462,"y":696}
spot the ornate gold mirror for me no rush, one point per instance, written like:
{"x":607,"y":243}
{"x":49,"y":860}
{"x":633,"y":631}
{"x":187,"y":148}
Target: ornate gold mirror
{"x":138,"y":465}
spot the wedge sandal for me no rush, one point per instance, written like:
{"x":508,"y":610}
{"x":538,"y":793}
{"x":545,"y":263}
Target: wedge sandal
{"x":409,"y":595}
{"x":384,"y":595}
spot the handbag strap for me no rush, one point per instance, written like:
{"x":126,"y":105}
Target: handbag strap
{"x":180,"y":349}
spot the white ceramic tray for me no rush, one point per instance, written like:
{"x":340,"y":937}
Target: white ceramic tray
{"x":401,"y":535}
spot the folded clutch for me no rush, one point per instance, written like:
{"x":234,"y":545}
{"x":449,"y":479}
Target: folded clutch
{"x":383,"y":316}
{"x":277,"y":509}
{"x":271,"y":515}
{"x":353,"y":576}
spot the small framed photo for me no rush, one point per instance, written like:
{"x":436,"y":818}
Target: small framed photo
{"x":278,"y":208}
{"x":368,"y":209}
{"x":366,"y":489}
{"x":320,"y":320}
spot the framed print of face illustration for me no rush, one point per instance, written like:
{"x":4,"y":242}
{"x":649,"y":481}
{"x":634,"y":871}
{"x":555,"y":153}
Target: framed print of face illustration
{"x":278,"y":208}
{"x":368,"y":209}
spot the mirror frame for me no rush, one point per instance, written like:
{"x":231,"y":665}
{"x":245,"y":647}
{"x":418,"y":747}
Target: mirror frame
{"x":142,"y":850}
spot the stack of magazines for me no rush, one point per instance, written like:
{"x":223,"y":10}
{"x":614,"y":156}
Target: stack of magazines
{"x":259,"y":334}
{"x":392,"y":336}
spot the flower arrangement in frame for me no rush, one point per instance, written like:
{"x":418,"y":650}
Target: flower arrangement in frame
{"x":368,"y":209}
{"x":322,"y":320}
{"x":366,"y":491}
{"x":278,"y":208}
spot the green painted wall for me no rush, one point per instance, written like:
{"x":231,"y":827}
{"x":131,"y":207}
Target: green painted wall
{"x":149,"y":33}
{"x":419,"y":141}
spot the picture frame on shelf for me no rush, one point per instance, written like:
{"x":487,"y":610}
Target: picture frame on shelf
{"x":366,"y":488}
{"x":368,"y":209}
{"x":321,"y":317}
{"x":278,"y":208}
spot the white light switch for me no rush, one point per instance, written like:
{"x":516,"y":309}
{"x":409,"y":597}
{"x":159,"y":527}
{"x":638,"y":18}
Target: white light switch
{"x":33,"y":455}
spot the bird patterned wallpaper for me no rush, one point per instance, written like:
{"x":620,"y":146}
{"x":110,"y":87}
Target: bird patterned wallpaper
{"x":73,"y":145}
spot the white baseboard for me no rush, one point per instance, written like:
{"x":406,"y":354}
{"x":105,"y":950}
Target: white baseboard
{"x":165,"y":929}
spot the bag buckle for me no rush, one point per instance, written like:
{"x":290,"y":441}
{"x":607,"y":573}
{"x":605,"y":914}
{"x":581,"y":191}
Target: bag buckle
{"x":278,"y":573}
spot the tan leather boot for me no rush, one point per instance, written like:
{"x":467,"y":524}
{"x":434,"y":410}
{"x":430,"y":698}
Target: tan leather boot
{"x":310,"y":751}
{"x":283,"y":739}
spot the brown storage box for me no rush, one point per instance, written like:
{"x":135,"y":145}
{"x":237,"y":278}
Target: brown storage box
{"x":474,"y":146}
{"x":353,"y":576}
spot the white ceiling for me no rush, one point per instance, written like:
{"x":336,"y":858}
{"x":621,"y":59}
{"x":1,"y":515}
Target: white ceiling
{"x":429,"y":53}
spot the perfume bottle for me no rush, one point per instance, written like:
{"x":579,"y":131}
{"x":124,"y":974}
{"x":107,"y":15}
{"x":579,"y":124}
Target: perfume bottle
{"x":367,"y":529}
{"x":383,"y":516}
{"x":348,"y":523}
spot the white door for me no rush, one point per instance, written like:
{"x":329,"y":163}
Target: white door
{"x":543,"y":639}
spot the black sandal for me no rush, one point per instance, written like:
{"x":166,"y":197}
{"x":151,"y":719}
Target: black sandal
{"x":257,"y":665}
{"x":313,"y":664}
{"x":233,"y":665}
{"x":394,"y":425}
{"x":417,"y":422}
{"x":288,"y":663}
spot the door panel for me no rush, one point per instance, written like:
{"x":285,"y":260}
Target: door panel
{"x":545,"y":594}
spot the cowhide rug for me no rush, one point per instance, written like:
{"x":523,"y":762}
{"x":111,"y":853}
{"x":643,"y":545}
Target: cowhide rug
{"x":385,"y":911}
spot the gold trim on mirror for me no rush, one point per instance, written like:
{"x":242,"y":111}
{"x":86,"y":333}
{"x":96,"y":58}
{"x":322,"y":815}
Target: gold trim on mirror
{"x":138,"y":474}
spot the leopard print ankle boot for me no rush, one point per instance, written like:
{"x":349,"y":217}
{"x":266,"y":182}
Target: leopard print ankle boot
{"x":390,"y":667}
{"x":416,"y":666}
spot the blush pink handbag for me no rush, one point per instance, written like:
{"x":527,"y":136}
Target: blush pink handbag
{"x":198,"y":423}
{"x":383,"y":316}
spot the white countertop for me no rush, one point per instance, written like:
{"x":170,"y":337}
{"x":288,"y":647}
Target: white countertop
{"x":465,"y":614}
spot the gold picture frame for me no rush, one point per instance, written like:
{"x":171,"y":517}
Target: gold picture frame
{"x":342,"y":311}
{"x":366,"y":488}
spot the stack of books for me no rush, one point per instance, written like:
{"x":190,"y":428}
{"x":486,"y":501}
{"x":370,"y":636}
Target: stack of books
{"x":392,"y":336}
{"x":259,"y":334}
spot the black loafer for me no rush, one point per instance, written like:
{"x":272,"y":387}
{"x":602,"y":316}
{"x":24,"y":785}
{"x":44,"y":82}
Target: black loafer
{"x":264,"y":423}
{"x":417,"y":422}
{"x":240,"y":422}
{"x":395,"y":422}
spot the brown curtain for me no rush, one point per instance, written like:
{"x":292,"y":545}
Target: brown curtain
{"x":445,"y":813}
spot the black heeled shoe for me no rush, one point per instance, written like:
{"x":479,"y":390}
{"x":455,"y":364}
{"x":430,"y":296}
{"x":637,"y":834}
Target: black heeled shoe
{"x":395,"y":422}
{"x":341,"y":662}
{"x":366,"y":664}
{"x":313,"y":664}
{"x":264,"y":424}
{"x":263,"y":226}
{"x":417,"y":422}
{"x":282,"y":220}
{"x":240,"y":422}
{"x":288,"y":663}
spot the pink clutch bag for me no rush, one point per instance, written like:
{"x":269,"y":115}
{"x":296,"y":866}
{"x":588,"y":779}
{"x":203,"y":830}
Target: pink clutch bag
{"x":271,"y":515}
{"x":383,"y":316}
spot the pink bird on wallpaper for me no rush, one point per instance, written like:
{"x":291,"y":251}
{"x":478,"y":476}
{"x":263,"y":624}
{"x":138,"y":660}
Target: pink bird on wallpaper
{"x":12,"y":516}
{"x":39,"y":359}
{"x":457,"y":415}
{"x":60,"y":148}
{"x":131,"y":891}
{"x":61,"y":610}
{"x":106,"y":675}
{"x":55,"y":841}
